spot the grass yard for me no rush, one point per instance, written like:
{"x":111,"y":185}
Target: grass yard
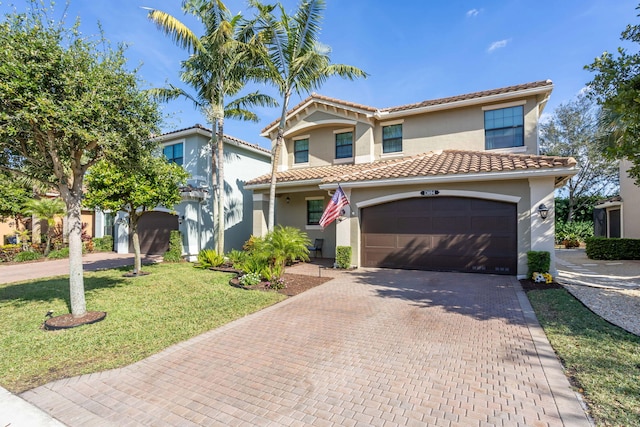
{"x":603,"y":359}
{"x":144,"y":315}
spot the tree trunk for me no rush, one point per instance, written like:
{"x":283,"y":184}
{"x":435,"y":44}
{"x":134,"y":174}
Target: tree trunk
{"x":73,"y":200}
{"x":135,"y":238}
{"x":220,"y":184}
{"x":274,"y":163}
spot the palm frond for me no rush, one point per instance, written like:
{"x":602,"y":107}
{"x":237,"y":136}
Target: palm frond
{"x":174,"y":28}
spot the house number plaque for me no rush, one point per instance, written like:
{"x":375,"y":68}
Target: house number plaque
{"x":430,"y":192}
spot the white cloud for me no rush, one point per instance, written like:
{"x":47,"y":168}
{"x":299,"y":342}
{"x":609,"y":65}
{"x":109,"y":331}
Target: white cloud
{"x":473,"y":12}
{"x":497,"y":45}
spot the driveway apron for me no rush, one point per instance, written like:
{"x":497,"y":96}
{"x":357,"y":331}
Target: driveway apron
{"x":372,"y":347}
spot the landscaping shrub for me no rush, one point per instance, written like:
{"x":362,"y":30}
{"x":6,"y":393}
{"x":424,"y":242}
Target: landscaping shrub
{"x":612,"y":248}
{"x":538,"y":261}
{"x":104,"y":244}
{"x":59,"y":253}
{"x":236,"y":257}
{"x":208,"y":258}
{"x":27,"y":256}
{"x":249,"y":279}
{"x":343,"y":256}
{"x":174,"y":254}
{"x":8,"y":252}
{"x":572,"y":233}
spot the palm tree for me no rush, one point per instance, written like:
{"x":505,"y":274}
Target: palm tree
{"x":48,"y":210}
{"x":296,"y":61}
{"x":221,"y":63}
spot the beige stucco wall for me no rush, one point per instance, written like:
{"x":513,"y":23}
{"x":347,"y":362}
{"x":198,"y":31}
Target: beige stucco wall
{"x":630,"y":194}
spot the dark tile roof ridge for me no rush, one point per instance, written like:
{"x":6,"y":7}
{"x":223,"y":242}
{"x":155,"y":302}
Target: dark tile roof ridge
{"x":472,"y":95}
{"x":226,"y":136}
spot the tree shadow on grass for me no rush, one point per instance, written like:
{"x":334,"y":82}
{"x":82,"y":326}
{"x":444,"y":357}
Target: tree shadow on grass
{"x":48,"y":290}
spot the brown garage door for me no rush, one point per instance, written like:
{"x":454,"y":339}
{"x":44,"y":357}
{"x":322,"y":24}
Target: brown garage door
{"x":154,"y":229}
{"x":441,"y":233}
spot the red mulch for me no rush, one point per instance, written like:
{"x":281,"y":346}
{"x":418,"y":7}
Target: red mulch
{"x":294,"y":284}
{"x":530,"y":285}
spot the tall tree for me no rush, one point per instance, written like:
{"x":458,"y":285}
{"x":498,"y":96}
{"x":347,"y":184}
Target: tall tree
{"x":221,"y":64}
{"x":616,"y":87}
{"x":297,"y":63}
{"x":65,"y":103}
{"x":46,"y":209}
{"x":135,"y":188}
{"x":572,"y":131}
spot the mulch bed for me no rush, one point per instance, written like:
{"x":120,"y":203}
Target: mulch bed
{"x":530,"y":285}
{"x":67,"y":321}
{"x":294,"y":284}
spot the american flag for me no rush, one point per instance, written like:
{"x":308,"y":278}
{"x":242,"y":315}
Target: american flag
{"x":332,"y":211}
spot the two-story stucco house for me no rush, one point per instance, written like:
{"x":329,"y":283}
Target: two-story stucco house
{"x":447,"y":184}
{"x":193,"y":216}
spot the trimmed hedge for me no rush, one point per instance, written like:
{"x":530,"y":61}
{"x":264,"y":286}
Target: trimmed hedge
{"x":174,"y":254}
{"x":612,"y":248}
{"x":103,"y":244}
{"x":343,"y":256}
{"x":538,"y":261}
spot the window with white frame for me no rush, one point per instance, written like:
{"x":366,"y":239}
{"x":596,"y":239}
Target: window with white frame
{"x":504,"y":127}
{"x":174,"y":153}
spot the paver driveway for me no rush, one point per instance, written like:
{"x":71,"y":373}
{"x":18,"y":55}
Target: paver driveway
{"x":372,"y":347}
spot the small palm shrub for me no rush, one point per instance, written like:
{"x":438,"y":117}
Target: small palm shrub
{"x":208,"y":258}
{"x":27,"y":256}
{"x":236,"y":257}
{"x":59,"y":253}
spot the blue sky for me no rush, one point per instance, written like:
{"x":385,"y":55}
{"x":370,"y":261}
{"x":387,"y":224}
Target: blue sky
{"x":414,"y":50}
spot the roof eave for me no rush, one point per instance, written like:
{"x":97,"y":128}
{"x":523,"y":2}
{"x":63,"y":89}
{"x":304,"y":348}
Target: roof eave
{"x":286,"y":184}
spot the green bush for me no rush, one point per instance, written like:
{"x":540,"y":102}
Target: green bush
{"x":575,"y":231}
{"x":208,"y":258}
{"x":27,"y":256}
{"x":104,"y":244}
{"x":343,"y":256}
{"x":611,"y":248}
{"x":254,"y":262}
{"x":174,"y":254}
{"x":59,"y":253}
{"x":538,"y":261}
{"x":249,"y":279}
{"x":8,"y":252}
{"x":236,"y":257}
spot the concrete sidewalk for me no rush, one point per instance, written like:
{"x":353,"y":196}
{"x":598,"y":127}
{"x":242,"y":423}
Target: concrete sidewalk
{"x":370,"y":347}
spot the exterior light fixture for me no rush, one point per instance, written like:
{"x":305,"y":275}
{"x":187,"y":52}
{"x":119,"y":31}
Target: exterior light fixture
{"x":543,"y":210}
{"x":287,"y":199}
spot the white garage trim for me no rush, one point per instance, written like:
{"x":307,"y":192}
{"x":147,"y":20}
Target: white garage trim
{"x":453,"y":193}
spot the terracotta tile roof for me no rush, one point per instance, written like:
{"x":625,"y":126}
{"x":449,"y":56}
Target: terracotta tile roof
{"x":226,"y":137}
{"x":433,"y":163}
{"x":428,"y":103}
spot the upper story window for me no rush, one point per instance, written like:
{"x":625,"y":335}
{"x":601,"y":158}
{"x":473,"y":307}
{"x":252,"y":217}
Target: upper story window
{"x":301,"y":150}
{"x":344,"y":145}
{"x":392,"y":139}
{"x":315,"y":209}
{"x":174,"y":153}
{"x":504,"y":128}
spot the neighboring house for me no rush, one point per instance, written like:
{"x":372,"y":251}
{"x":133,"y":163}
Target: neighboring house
{"x":618,"y":216}
{"x":447,"y":184}
{"x":193,"y":216}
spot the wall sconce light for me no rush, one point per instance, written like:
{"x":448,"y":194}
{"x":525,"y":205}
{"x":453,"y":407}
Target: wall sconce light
{"x":543,"y":210}
{"x":287,"y":199}
{"x":180,"y":219}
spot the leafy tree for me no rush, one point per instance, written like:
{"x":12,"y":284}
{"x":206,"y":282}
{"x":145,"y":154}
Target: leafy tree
{"x":48,"y":210}
{"x":296,"y":62}
{"x":220,"y":65}
{"x":616,"y":87}
{"x":13,"y":195}
{"x":66,"y":102}
{"x":135,"y":189}
{"x":572,"y":132}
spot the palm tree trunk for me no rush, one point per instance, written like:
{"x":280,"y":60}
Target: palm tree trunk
{"x":220,"y":184}
{"x":274,"y":162}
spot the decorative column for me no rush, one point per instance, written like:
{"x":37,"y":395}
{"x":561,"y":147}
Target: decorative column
{"x":543,"y":230}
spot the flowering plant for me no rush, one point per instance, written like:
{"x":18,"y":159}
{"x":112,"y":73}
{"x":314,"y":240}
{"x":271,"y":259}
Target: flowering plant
{"x":249,"y":279}
{"x":275,"y":284}
{"x":542,"y":278}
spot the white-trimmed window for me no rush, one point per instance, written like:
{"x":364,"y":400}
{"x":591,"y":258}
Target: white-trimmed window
{"x":392,"y":138}
{"x":504,"y":127}
{"x":174,"y":153}
{"x":301,"y":150}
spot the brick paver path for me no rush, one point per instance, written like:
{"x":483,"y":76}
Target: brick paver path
{"x":372,"y":347}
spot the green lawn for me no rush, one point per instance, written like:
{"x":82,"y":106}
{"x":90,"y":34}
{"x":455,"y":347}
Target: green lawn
{"x":603,"y":359}
{"x":144,"y":315}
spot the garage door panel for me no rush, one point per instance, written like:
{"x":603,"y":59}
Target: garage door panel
{"x":442,"y":233}
{"x":154,"y":229}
